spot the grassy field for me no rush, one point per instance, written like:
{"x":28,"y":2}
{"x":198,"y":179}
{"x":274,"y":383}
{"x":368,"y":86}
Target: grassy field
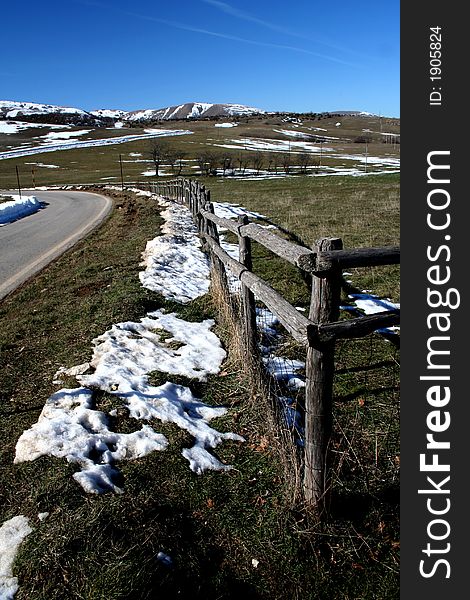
{"x":102,"y":164}
{"x":213,"y":526}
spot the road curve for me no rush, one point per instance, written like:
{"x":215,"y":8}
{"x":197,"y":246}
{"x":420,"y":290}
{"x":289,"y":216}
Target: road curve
{"x":29,"y":244}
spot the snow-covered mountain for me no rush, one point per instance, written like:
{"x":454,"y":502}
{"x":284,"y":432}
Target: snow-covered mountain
{"x":192,"y":110}
{"x":48,"y":113}
{"x":109,"y":113}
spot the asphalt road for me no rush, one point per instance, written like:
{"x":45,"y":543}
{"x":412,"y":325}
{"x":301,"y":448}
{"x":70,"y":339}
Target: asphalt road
{"x":29,"y":244}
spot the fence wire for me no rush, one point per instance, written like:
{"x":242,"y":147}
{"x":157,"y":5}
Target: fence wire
{"x":284,"y":362}
{"x":364,"y":447}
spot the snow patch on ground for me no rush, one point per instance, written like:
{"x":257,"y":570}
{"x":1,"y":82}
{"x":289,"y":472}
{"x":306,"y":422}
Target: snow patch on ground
{"x":71,"y":427}
{"x":228,"y":210}
{"x":299,"y":134}
{"x":43,"y":166}
{"x":9,"y":127}
{"x":71,"y":144}
{"x":370,"y":304}
{"x":75,"y":426}
{"x":285,"y":371}
{"x":124,"y":355}
{"x":64,"y":135}
{"x":12,"y":533}
{"x":18,"y":208}
{"x":175,"y":265}
{"x":266,"y":144}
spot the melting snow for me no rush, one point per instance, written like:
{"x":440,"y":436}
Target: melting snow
{"x":64,"y":135}
{"x":18,"y":208}
{"x":266,"y":144}
{"x":299,"y":134}
{"x":283,"y":370}
{"x":12,"y":533}
{"x":199,"y":108}
{"x":230,"y":211}
{"x":372,"y":304}
{"x":43,"y":166}
{"x":128,"y":351}
{"x":72,"y":425}
{"x":71,"y":144}
{"x":175,"y":265}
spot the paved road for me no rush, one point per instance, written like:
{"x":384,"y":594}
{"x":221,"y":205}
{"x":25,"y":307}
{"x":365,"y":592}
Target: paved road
{"x":29,"y":244}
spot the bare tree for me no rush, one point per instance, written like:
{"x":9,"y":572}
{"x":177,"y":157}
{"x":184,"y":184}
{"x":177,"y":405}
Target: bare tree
{"x":207,"y":162}
{"x":158,"y":151}
{"x":180,"y":156}
{"x":171,"y":159}
{"x":201,"y":162}
{"x":286,"y":162}
{"x":226,"y":162}
{"x":257,"y":161}
{"x":270,"y":160}
{"x":243,"y":161}
{"x":304,"y":161}
{"x":277,"y":161}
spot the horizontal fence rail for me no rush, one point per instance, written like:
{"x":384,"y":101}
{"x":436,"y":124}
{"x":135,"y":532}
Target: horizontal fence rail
{"x":317,"y":332}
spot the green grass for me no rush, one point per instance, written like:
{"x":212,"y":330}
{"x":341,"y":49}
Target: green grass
{"x":212,"y":526}
{"x":363,"y":211}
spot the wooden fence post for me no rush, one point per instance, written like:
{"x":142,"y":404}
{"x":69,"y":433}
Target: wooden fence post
{"x":324,"y":308}
{"x":248,"y":306}
{"x":217,"y":266}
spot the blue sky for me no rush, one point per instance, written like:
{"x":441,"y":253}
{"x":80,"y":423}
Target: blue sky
{"x":303,"y":55}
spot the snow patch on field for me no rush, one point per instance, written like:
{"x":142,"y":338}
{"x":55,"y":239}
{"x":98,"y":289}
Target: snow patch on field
{"x":139,"y":348}
{"x":266,"y":144}
{"x":76,"y":424}
{"x":64,"y":135}
{"x":42,"y":165}
{"x":72,"y":144}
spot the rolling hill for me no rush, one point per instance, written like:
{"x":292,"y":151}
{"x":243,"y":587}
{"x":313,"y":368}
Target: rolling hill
{"x":48,"y":113}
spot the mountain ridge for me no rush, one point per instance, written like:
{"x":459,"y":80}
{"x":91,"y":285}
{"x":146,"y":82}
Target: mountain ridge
{"x":32,"y":111}
{"x":105,"y":117}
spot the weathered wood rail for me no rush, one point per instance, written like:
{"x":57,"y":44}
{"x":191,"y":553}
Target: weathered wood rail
{"x":318,"y":332}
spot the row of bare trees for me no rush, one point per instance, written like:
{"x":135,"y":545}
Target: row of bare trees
{"x":162,"y":153}
{"x":232,"y":163}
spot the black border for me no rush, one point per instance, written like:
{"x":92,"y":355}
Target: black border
{"x":428,"y":128}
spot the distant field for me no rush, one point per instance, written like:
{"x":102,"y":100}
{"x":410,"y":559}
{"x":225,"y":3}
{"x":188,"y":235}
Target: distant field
{"x":363,"y":211}
{"x":265,"y":134}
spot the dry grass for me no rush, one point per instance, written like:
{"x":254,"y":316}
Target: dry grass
{"x":264,"y":391}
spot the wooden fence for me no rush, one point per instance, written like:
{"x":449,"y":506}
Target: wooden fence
{"x":317,"y":333}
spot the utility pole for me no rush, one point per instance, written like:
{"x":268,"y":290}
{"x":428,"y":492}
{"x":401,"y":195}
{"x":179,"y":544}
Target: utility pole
{"x":32,"y":177}
{"x":18,"y":180}
{"x":122,"y":178}
{"x":366,"y":159}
